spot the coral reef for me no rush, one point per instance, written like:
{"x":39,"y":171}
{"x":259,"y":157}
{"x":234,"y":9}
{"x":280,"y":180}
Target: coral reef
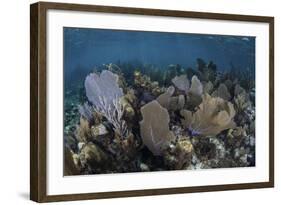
{"x":135,"y":118}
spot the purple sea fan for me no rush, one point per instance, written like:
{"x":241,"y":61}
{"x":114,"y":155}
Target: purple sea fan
{"x":104,"y":93}
{"x":104,"y":86}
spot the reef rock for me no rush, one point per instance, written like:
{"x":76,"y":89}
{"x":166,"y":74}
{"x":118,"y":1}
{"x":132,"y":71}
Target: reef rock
{"x":98,"y":130}
{"x":178,"y":155}
{"x":154,"y":127}
{"x":92,"y":155}
{"x":71,"y":165}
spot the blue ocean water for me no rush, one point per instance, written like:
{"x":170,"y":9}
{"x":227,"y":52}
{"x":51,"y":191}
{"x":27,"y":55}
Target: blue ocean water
{"x":86,"y":48}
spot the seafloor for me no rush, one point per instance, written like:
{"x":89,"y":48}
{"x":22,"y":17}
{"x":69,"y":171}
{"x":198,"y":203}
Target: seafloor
{"x":126,"y":118}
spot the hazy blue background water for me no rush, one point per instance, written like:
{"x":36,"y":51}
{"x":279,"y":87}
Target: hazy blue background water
{"x":86,"y":48}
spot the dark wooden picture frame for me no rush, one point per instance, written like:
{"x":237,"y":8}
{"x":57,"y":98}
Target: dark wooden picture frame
{"x":38,"y":100}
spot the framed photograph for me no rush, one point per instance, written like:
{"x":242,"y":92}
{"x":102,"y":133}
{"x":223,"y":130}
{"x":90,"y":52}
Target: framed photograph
{"x":134,"y":102}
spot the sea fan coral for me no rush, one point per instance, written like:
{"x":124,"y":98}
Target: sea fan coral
{"x":222,"y":92}
{"x":196,"y":87}
{"x":241,"y":99}
{"x":154,"y":127}
{"x":104,"y":86}
{"x":165,"y":98}
{"x":194,"y":95}
{"x":171,"y":102}
{"x":181,"y":82}
{"x":104,"y":93}
{"x":242,"y":102}
{"x":213,"y":116}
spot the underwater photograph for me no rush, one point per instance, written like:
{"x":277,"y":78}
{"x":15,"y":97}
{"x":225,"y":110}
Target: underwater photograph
{"x":144,"y":101}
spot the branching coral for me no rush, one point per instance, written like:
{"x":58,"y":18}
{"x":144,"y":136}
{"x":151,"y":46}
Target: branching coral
{"x":114,"y":111}
{"x":213,"y":116}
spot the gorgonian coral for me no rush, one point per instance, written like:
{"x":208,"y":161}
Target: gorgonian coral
{"x":102,"y":86}
{"x":213,"y":116}
{"x":165,"y":98}
{"x":196,"y":87}
{"x":222,"y":92}
{"x":181,"y":82}
{"x":104,"y":93}
{"x":154,"y":127}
